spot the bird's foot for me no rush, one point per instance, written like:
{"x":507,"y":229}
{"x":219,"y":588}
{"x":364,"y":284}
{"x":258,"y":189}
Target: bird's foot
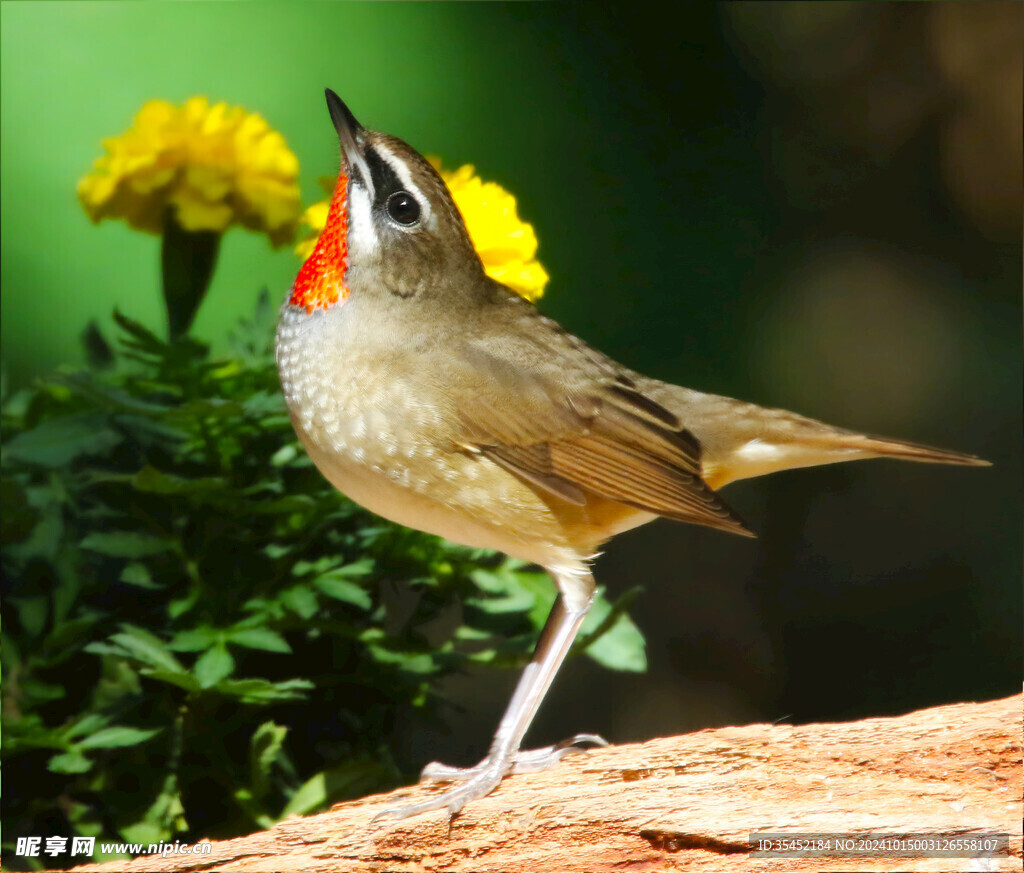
{"x":523,"y":762}
{"x":481,"y":780}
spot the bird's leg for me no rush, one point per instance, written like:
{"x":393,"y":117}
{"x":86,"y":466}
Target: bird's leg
{"x":575,"y":595}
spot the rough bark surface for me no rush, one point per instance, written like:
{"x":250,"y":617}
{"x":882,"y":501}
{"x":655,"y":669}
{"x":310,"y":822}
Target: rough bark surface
{"x":684,"y":803}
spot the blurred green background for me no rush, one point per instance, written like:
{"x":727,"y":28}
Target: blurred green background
{"x":813,"y":206}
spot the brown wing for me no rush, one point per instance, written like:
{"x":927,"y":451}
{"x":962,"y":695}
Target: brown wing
{"x":572,"y":423}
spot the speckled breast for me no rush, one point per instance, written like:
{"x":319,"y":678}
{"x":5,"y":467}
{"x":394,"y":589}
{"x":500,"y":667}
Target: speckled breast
{"x":384,"y":439}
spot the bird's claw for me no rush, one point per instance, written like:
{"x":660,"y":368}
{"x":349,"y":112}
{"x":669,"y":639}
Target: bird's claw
{"x":481,"y":780}
{"x":529,"y":761}
{"x":484,"y":780}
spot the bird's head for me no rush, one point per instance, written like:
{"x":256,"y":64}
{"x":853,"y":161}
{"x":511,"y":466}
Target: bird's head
{"x":392,"y":227}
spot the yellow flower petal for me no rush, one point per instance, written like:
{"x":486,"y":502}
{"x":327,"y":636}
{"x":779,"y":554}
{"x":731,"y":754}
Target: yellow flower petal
{"x":212,"y":165}
{"x":305,"y":248}
{"x":507,"y":245}
{"x":195,"y":212}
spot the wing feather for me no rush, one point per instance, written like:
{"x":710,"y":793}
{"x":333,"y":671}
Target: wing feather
{"x":585,"y":428}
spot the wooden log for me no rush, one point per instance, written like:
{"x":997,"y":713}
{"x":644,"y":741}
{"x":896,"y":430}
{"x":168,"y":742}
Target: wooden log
{"x":683,"y":803}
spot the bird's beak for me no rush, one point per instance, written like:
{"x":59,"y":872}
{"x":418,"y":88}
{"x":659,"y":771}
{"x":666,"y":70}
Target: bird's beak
{"x":352,"y":138}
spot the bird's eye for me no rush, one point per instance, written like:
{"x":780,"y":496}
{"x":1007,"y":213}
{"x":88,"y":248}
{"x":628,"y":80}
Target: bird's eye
{"x":403,"y":208}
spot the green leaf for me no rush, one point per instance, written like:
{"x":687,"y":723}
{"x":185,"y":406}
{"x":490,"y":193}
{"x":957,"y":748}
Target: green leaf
{"x":177,"y":608}
{"x":508,"y":595}
{"x":248,"y":802}
{"x":262,"y":691}
{"x":166,"y":811}
{"x":29,"y":732}
{"x":32,"y":613}
{"x":138,"y":575}
{"x":125,"y":544}
{"x":147,"y":648}
{"x":355,"y":570}
{"x":143,"y":337}
{"x":117,"y":685}
{"x":471,"y":634}
{"x":264,"y":747}
{"x":276,"y":550}
{"x":354,"y":778}
{"x":151,"y":431}
{"x":300,"y":600}
{"x":410,"y":662}
{"x":108,"y":396}
{"x":322,"y":565}
{"x":610,"y":637}
{"x":264,"y":403}
{"x":310,"y":795}
{"x":154,"y":481}
{"x":38,"y":692}
{"x":197,"y":639}
{"x":117,"y":738}
{"x":284,"y":455}
{"x":101,"y":648}
{"x":263,"y":610}
{"x":69,"y":762}
{"x":88,"y":724}
{"x":260,"y":638}
{"x":215,"y":664}
{"x":57,"y":441}
{"x":146,"y":832}
{"x":186,"y":681}
{"x":69,"y":583}
{"x":342,"y":589}
{"x":543,"y":590}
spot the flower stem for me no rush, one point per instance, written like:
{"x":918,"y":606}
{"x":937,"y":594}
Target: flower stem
{"x":187,"y":259}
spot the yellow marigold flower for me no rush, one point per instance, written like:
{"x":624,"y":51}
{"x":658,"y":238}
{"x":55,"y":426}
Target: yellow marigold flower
{"x":211,"y":166}
{"x":506,"y":244}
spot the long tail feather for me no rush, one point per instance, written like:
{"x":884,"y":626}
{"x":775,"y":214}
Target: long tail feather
{"x":811,"y":444}
{"x":888,"y":448}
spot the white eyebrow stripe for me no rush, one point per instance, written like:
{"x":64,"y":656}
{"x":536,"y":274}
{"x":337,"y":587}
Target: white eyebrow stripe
{"x":362,"y":237}
{"x":401,"y":170}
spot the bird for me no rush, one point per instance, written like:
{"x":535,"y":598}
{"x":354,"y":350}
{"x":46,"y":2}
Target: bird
{"x":438,"y":398}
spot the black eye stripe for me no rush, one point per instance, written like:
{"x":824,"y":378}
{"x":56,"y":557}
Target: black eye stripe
{"x":385,"y":181}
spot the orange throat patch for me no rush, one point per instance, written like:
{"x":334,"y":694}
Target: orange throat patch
{"x":321,"y":280}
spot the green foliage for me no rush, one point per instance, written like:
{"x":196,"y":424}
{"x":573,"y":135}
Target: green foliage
{"x":200,"y":634}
